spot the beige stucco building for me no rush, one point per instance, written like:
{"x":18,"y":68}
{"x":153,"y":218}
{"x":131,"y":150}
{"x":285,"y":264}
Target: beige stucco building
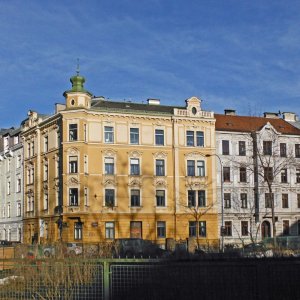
{"x":99,"y":169}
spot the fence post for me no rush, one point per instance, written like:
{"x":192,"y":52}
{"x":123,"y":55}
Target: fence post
{"x":106,"y":279}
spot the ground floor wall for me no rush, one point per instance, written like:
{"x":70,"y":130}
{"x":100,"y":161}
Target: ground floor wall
{"x":12,"y":231}
{"x":287,"y":224}
{"x":93,"y":228}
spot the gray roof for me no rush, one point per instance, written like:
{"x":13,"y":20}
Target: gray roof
{"x":131,"y":106}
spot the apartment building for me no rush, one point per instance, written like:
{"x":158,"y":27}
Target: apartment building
{"x":99,"y":169}
{"x":11,"y":185}
{"x":258,"y":172}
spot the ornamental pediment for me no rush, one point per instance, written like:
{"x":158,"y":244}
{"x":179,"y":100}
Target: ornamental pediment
{"x":73,"y":181}
{"x":72,"y":150}
{"x":135,"y":182}
{"x":135,"y":153}
{"x":160,"y":182}
{"x":160,"y":154}
{"x":194,"y":154}
{"x":109,"y":152}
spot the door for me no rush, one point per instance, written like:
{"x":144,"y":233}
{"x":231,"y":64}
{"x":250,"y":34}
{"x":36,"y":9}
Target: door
{"x":265,"y":229}
{"x":136,"y":229}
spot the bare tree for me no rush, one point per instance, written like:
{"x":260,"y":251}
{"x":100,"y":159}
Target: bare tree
{"x":196,"y":205}
{"x":269,"y":163}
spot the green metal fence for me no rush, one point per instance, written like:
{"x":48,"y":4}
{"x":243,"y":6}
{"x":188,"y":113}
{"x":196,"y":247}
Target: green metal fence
{"x":112,"y":279}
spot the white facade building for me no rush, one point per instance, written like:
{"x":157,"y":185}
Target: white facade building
{"x":11,"y":185}
{"x":251,"y":148}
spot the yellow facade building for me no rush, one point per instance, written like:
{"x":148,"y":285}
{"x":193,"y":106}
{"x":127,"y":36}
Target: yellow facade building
{"x":99,"y":169}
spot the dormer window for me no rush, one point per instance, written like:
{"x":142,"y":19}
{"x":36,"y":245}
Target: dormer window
{"x":194,"y":110}
{"x":72,"y":102}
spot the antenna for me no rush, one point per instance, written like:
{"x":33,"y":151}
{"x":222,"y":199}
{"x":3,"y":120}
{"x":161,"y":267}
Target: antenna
{"x":77,"y":69}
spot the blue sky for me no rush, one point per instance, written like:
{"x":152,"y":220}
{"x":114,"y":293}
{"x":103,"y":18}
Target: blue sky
{"x":232,"y":54}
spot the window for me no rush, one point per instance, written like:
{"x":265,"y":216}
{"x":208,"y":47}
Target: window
{"x":244,"y":228}
{"x":160,"y":198}
{"x":202,"y":228}
{"x":285,"y":227}
{"x":243,"y":174}
{"x":73,"y":164}
{"x":134,"y":136}
{"x":8,"y":165}
{"x":8,"y":210}
{"x":297,"y":175}
{"x":298,"y":200}
{"x":282,"y":149}
{"x":46,"y":146}
{"x":201,"y":198}
{"x":268,"y":200}
{"x":160,"y":167}
{"x":283,"y":174}
{"x":57,"y":167}
{"x":285,"y":201}
{"x":244,"y":203}
{"x":32,"y":148}
{"x":191,"y":198}
{"x":225,"y":147}
{"x":108,"y":134}
{"x":161,"y":229}
{"x":190,"y":138}
{"x":78,"y":231}
{"x":192,"y":229}
{"x":135,"y":198}
{"x":191,"y":168}
{"x":297,"y":150}
{"x":242,"y":148}
{"x":268,"y":173}
{"x":226,"y":174}
{"x":18,"y":209}
{"x":134,"y":166}
{"x":159,"y":137}
{"x":227,"y":200}
{"x":200,"y":138}
{"x":228,"y":228}
{"x":298,"y":227}
{"x":73,"y":132}
{"x":18,"y":185}
{"x":200,"y":168}
{"x":109,"y":197}
{"x":109,"y":165}
{"x":73,"y":197}
{"x":136,"y":229}
{"x":109,"y":230}
{"x":267,"y":147}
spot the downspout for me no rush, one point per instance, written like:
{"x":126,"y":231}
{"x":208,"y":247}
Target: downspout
{"x":256,"y":189}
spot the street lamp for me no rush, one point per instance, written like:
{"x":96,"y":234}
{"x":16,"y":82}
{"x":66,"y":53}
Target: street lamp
{"x":222,"y":200}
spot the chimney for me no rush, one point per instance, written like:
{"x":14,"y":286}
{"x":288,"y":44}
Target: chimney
{"x":289,"y":116}
{"x":153,"y":101}
{"x":229,"y":112}
{"x":271,"y":115}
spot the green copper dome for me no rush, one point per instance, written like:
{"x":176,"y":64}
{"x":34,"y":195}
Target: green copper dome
{"x":77,"y":85}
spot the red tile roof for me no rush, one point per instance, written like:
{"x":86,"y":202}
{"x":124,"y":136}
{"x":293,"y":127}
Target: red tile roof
{"x":249,"y":124}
